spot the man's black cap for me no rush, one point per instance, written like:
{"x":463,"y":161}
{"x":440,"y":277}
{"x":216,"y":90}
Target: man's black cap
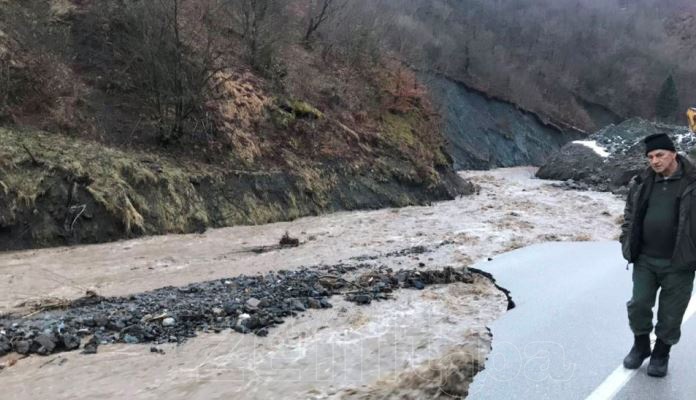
{"x":658,"y":141}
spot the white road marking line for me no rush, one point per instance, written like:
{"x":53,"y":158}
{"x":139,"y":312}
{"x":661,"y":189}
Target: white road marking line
{"x":620,"y":377}
{"x":611,"y":386}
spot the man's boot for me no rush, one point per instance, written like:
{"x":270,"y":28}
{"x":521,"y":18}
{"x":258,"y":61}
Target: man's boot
{"x":639,"y":352}
{"x":659,"y":359}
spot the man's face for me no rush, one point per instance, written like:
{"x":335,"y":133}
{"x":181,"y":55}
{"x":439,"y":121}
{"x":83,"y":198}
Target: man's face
{"x":662,"y":160}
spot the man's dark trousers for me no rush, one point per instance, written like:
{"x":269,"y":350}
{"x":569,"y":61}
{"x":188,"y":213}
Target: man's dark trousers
{"x":649,"y":275}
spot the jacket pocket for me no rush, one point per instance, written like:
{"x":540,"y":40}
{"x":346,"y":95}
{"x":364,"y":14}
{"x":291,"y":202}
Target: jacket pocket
{"x":685,"y":257}
{"x":685,"y":253}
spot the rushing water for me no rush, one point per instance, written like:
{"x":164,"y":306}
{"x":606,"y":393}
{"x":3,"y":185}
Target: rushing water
{"x":412,"y":346}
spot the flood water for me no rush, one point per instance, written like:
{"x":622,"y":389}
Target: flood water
{"x":409,"y":347}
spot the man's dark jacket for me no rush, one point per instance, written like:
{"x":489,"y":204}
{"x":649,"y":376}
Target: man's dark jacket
{"x":684,"y":255}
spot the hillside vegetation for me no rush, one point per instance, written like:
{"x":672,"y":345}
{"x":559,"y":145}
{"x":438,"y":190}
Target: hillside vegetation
{"x":125,"y":118}
{"x":584,"y":63}
{"x":317,"y":94}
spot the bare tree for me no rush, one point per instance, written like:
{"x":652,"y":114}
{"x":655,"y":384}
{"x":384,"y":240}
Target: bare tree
{"x":171,"y":62}
{"x":259,"y":24}
{"x":356,"y":36}
{"x":320,"y":11}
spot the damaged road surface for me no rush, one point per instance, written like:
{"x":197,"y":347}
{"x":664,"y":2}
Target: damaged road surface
{"x":317,"y":321}
{"x":568,"y":335}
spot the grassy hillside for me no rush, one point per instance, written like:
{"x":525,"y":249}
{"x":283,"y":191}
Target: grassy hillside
{"x":126,"y":118}
{"x":58,"y":190}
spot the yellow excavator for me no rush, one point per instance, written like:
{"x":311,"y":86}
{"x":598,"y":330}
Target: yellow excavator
{"x":691,"y":116}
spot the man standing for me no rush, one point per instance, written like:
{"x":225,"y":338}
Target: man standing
{"x":657,"y":236}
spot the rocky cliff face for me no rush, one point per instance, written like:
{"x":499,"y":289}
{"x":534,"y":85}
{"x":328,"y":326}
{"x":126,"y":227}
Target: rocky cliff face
{"x":608,"y":159}
{"x":485,"y":133}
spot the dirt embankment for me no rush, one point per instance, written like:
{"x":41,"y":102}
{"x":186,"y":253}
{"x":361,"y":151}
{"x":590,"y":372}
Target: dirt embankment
{"x":56,"y":190}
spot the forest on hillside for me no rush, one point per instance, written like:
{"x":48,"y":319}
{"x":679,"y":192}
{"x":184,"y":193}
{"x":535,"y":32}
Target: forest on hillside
{"x":582,"y":62}
{"x":180,"y":70}
{"x":153,"y":69}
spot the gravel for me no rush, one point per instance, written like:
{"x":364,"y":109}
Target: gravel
{"x":245,"y":304}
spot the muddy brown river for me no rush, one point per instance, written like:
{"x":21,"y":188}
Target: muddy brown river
{"x":419,"y":345}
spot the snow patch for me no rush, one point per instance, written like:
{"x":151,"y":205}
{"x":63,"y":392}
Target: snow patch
{"x":683,"y":137}
{"x":592,"y":144}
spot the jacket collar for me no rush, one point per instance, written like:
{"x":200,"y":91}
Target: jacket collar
{"x":677,"y":175}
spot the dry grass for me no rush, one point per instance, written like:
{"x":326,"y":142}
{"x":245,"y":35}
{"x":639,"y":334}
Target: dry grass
{"x":117,"y":180}
{"x":240,"y":105}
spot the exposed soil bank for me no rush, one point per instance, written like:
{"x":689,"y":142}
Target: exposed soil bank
{"x":56,"y":190}
{"x":484,"y":132}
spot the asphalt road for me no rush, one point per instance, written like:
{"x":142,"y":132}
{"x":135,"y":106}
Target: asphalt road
{"x":568,"y":335}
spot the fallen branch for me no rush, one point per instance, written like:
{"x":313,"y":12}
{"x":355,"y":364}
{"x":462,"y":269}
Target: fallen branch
{"x":33,"y":160}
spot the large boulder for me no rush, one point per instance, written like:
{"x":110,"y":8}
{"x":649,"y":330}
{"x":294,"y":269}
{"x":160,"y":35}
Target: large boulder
{"x":608,"y":159}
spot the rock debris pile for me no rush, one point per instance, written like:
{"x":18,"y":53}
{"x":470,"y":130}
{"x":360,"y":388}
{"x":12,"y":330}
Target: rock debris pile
{"x":607,"y":160}
{"x":246,"y":304}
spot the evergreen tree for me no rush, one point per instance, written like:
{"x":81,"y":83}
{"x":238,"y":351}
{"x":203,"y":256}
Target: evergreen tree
{"x":667,"y":103}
